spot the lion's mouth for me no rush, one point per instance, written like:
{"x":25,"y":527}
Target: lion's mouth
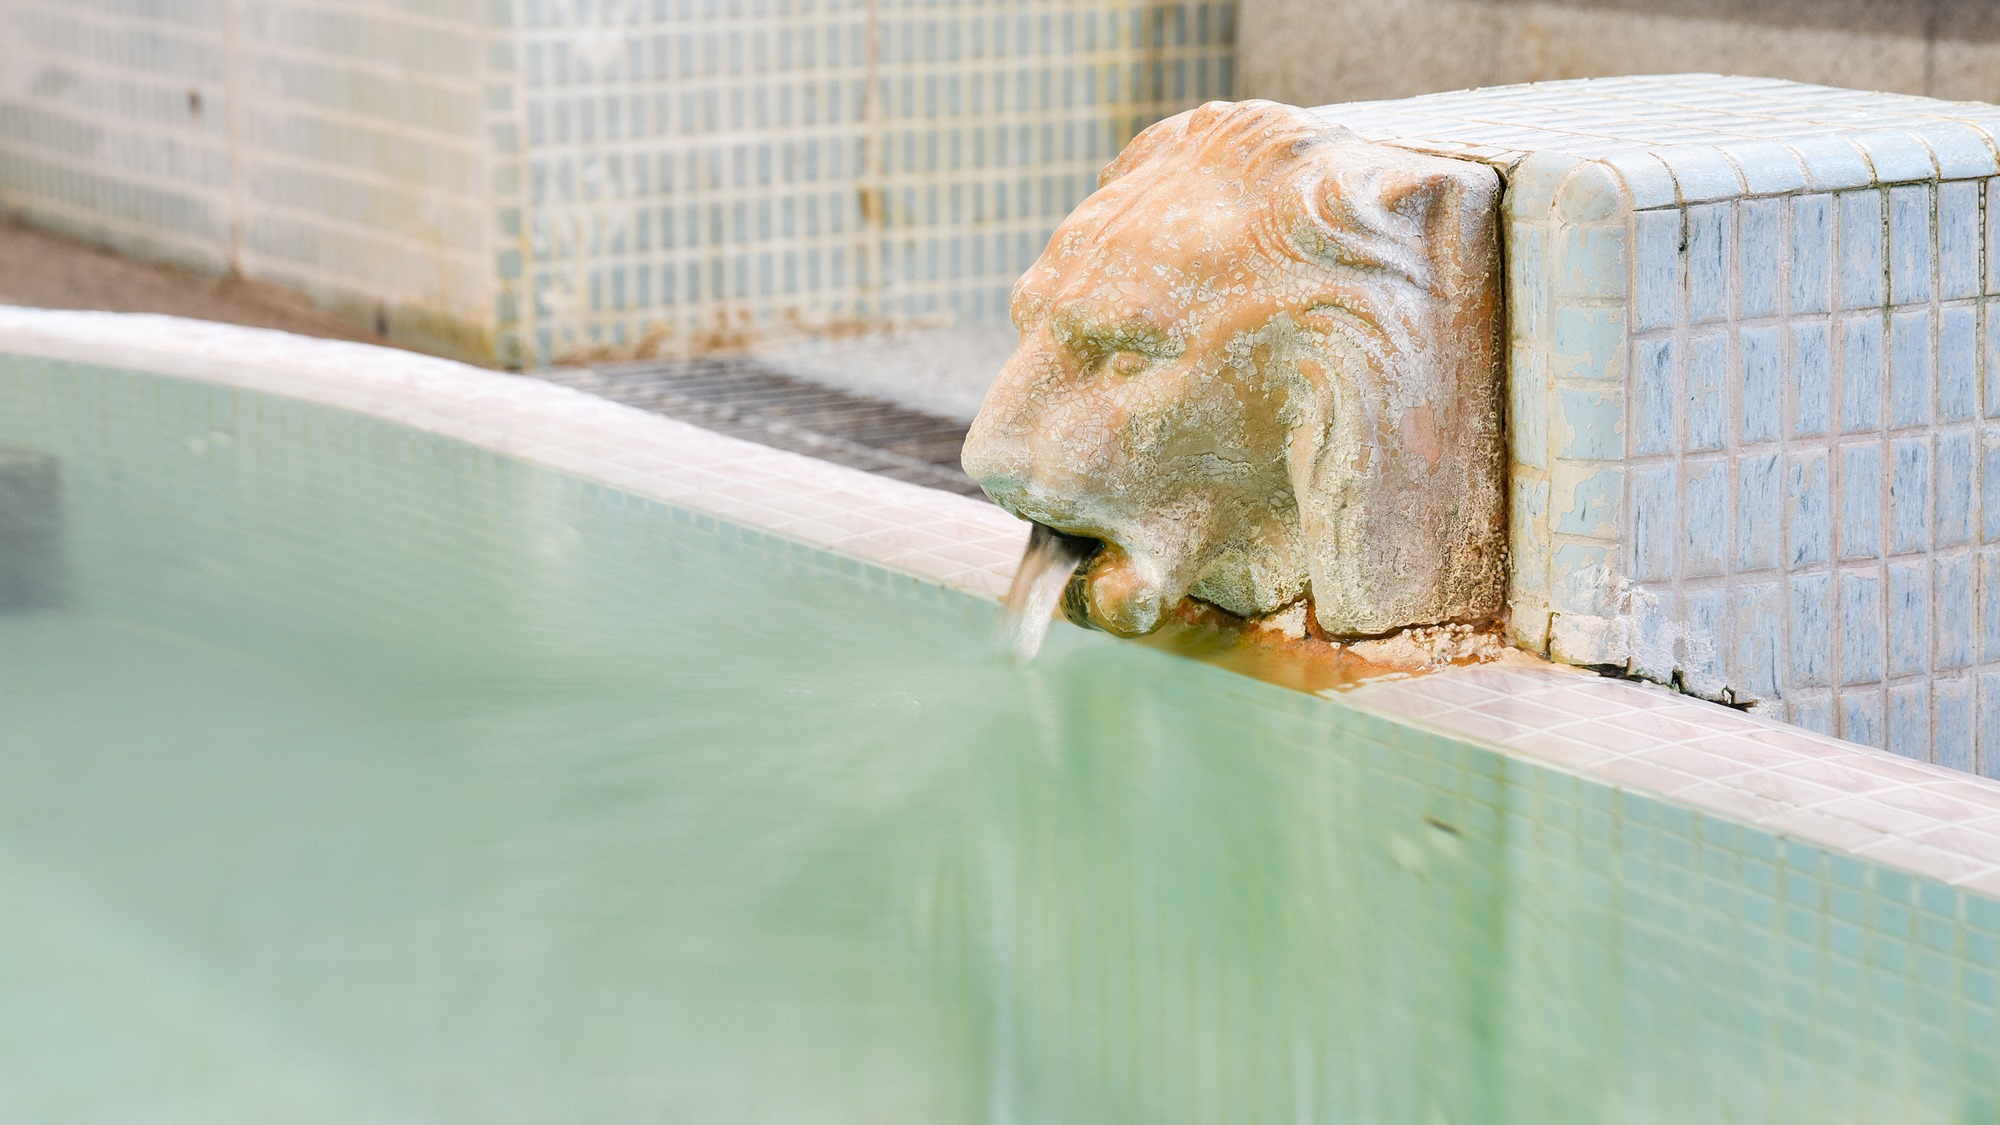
{"x":1086,"y":556}
{"x":1116,"y":592}
{"x":1050,"y":549}
{"x":1076,"y":594}
{"x":1115,"y":587}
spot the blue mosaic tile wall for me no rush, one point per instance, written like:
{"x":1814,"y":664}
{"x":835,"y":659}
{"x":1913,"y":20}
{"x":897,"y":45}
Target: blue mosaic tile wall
{"x":1751,"y":412}
{"x":532,"y":180}
{"x":693,"y":170}
{"x":335,"y":148}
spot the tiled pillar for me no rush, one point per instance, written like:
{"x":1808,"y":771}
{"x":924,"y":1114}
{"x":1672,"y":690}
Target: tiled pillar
{"x":1752,"y":406}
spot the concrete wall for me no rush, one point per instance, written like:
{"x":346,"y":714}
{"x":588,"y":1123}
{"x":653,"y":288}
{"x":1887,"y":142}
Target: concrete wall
{"x":1313,"y":52}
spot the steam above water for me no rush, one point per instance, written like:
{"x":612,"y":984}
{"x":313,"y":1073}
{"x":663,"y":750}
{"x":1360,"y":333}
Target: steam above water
{"x":1051,"y":558}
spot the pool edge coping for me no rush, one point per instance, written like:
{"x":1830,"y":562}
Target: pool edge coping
{"x":921,"y":532}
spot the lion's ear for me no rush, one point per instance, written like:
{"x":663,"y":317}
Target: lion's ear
{"x":1399,"y":217}
{"x":1142,"y":148}
{"x":1171,"y":135}
{"x":1233,"y":137}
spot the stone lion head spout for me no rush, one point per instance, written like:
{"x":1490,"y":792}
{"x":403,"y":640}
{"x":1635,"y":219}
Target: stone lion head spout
{"x":1259,"y":364}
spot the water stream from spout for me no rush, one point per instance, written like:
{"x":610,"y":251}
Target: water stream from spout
{"x":1051,"y":558}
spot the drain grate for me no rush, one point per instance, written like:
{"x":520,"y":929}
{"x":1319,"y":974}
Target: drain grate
{"x":745,"y":399}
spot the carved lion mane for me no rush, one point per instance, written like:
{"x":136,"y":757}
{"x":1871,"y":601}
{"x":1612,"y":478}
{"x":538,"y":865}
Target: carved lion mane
{"x":1259,"y":363}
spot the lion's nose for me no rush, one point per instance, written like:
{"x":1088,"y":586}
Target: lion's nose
{"x":1004,"y":489}
{"x":979,"y":460}
{"x":994,"y":463}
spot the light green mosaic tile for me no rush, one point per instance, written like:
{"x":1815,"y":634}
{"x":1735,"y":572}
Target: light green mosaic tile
{"x":370,"y":776}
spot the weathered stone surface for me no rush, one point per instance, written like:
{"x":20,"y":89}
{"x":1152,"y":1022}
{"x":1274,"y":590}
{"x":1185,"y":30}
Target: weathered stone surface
{"x":1259,"y":363}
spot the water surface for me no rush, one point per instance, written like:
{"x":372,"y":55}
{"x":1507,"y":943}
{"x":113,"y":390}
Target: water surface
{"x":362,"y":776}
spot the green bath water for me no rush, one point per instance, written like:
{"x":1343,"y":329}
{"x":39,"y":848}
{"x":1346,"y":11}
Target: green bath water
{"x":355,"y":775}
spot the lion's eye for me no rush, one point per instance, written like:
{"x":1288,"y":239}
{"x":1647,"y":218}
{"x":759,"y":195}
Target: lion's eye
{"x":1127,"y":364}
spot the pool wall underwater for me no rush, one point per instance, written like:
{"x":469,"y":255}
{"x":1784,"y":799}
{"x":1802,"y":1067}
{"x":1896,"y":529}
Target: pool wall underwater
{"x":1514,"y":894}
